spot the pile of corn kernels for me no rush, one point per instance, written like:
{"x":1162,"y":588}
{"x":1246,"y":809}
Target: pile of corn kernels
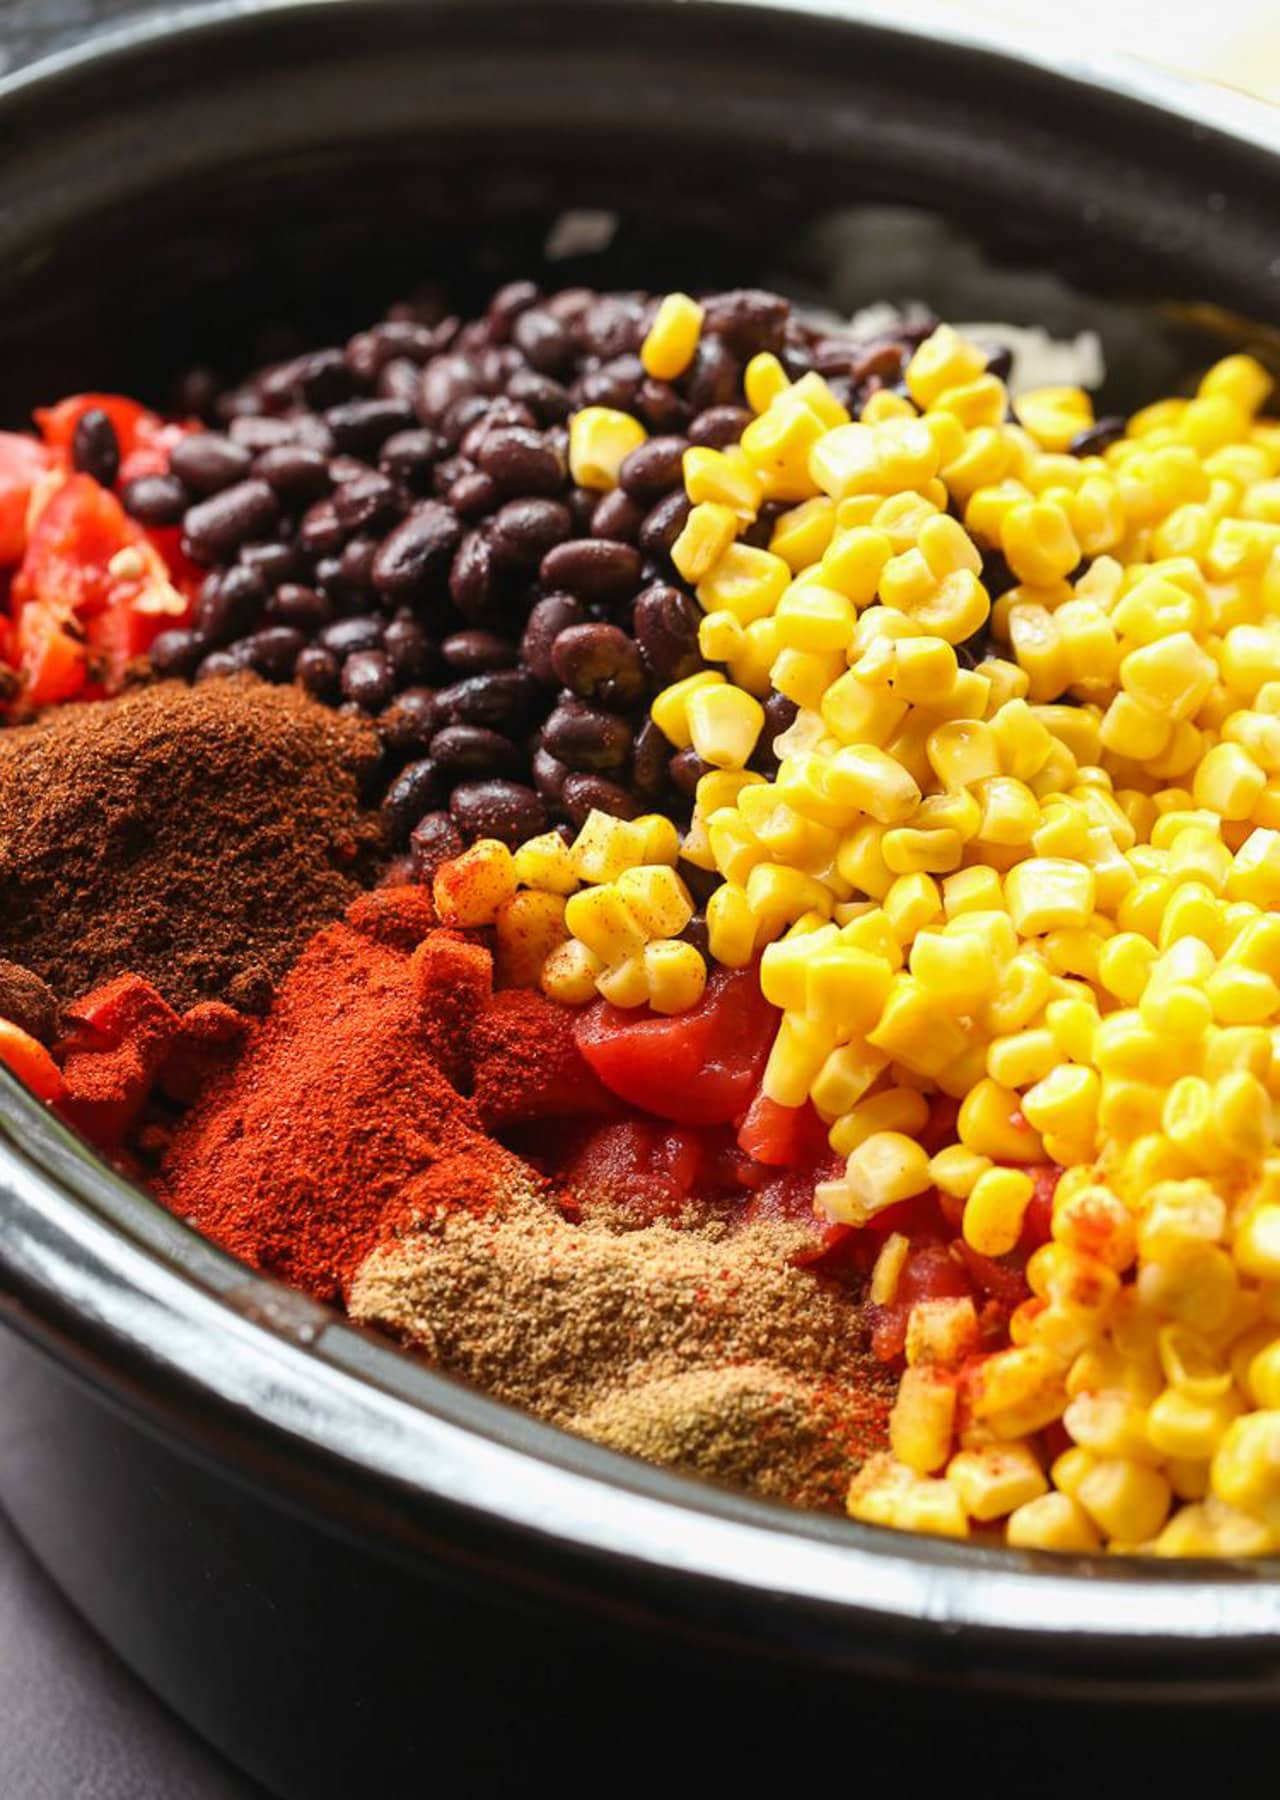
{"x":1044,"y":883}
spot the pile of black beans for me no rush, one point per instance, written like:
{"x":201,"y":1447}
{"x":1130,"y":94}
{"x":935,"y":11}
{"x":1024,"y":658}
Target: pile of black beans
{"x":392,"y":524}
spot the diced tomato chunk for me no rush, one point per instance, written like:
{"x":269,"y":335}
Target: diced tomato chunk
{"x":1037,"y":1221}
{"x":699,"y":1067}
{"x":30,"y":1062}
{"x":647,"y":1167}
{"x":50,"y":661}
{"x":22,"y":461}
{"x":786,"y":1137}
{"x":74,"y":539}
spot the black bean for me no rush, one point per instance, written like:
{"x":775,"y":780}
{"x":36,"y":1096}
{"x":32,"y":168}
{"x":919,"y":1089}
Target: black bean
{"x":719,"y":426}
{"x":549,"y":774}
{"x":666,"y":623}
{"x":715,"y":376}
{"x":473,"y":496}
{"x":506,"y":305}
{"x":319,"y":671}
{"x":664,"y":523}
{"x":469,"y":750}
{"x":411,"y":721}
{"x":601,"y":664}
{"x":499,"y":411}
{"x":297,"y":474}
{"x":368,"y":500}
{"x":649,"y":758}
{"x":229,"y":604}
{"x":584,"y":738}
{"x":346,"y":468}
{"x":547,"y":400}
{"x":95,"y":448}
{"x":346,"y":636}
{"x":500,"y":699}
{"x":472,"y":409}
{"x":449,"y":470}
{"x":206,"y":462}
{"x":654,"y":469}
{"x":617,"y":516}
{"x":523,"y":531}
{"x":686,"y":769}
{"x":506,"y":810}
{"x":414,"y":559}
{"x":416,"y":790}
{"x":660,"y":406}
{"x":543,"y":342}
{"x":224,"y":662}
{"x":434,"y":840}
{"x":299,"y":606}
{"x":274,"y":651}
{"x":474,"y":577}
{"x":409,"y":648}
{"x":475,"y":652}
{"x":598,"y":569}
{"x":1000,"y":362}
{"x":322,"y":377}
{"x":613,"y":325}
{"x":582,"y":503}
{"x":196,"y":391}
{"x":696,"y":933}
{"x":615,"y":383}
{"x":355,"y":565}
{"x":272,"y":562}
{"x":361,"y":427}
{"x":155,"y":499}
{"x":520,"y":461}
{"x":177,"y":653}
{"x":368,"y":680}
{"x":549,"y":617}
{"x":583,"y":794}
{"x":398,"y":380}
{"x":446,"y":380}
{"x":214,"y":529}
{"x":1094,"y":439}
{"x":748,"y":320}
{"x":409,"y":457}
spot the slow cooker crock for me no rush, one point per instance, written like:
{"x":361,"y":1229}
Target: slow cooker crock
{"x":314,"y":1547}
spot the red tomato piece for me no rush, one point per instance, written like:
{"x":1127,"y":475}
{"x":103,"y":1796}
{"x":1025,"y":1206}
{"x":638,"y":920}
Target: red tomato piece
{"x":699,"y":1067}
{"x":786,"y":1137}
{"x":30,"y":1062}
{"x":22,"y":461}
{"x":130,"y":419}
{"x":51,"y":662}
{"x":1037,"y":1221}
{"x":1003,"y":1283}
{"x":74,"y":539}
{"x":647,"y":1167}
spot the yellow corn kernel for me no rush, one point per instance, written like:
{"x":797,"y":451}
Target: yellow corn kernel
{"x":922,"y":1419}
{"x":972,"y":890}
{"x":1051,"y":1522}
{"x":993,"y":1212}
{"x":744,"y":581}
{"x":529,"y":926}
{"x":912,"y":903}
{"x":1019,"y":1390}
{"x":1038,"y":542}
{"x":896,"y":1109}
{"x":1021,"y":992}
{"x":854,"y":562}
{"x":670,"y":711}
{"x":1171,"y":677}
{"x":1245,"y":1471}
{"x":798,"y":1053}
{"x":870,"y":781}
{"x":814,"y":618}
{"x":991,"y":1121}
{"x":996,"y":1480}
{"x":963,"y":752}
{"x":469,"y":890}
{"x":625,"y":984}
{"x":955,"y":968}
{"x":1241,"y":996}
{"x":779,"y":443}
{"x":1257,"y":1243}
{"x":1128,"y":1501}
{"x":546,"y":863}
{"x":659,"y":900}
{"x":671,"y":340}
{"x":1134,"y":731}
{"x":943,"y":1333}
{"x":883,"y":1286}
{"x":909,"y":851}
{"x":605,"y":846}
{"x":1010,"y":811}
{"x":763,"y":380}
{"x":724,"y":724}
{"x":841,"y":1083}
{"x":601,"y":919}
{"x":861,"y":861}
{"x":955,"y":1170}
{"x":1023,"y":1058}
{"x":846,"y":988}
{"x":706,"y":536}
{"x":779,"y":896}
{"x":1229,"y":782}
{"x":1241,"y":379}
{"x":887,"y":1493}
{"x":801,"y":535}
{"x":944,"y":360}
{"x":600,"y":440}
{"x":885,"y":1168}
{"x":675,"y":975}
{"x":723,"y":479}
{"x":1049,"y":893}
{"x":860,"y":714}
{"x":569,"y":974}
{"x":731,"y":927}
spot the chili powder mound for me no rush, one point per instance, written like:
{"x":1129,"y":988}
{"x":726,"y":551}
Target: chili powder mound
{"x":194,"y":836}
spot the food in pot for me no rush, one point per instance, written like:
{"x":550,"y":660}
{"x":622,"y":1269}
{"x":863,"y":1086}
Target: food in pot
{"x":816,"y":1027}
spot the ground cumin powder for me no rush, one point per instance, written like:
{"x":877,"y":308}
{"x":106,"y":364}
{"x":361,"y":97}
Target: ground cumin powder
{"x":195,"y":836}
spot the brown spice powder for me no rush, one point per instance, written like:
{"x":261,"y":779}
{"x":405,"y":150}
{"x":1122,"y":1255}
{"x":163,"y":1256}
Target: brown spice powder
{"x":195,"y":836}
{"x":710,"y":1352}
